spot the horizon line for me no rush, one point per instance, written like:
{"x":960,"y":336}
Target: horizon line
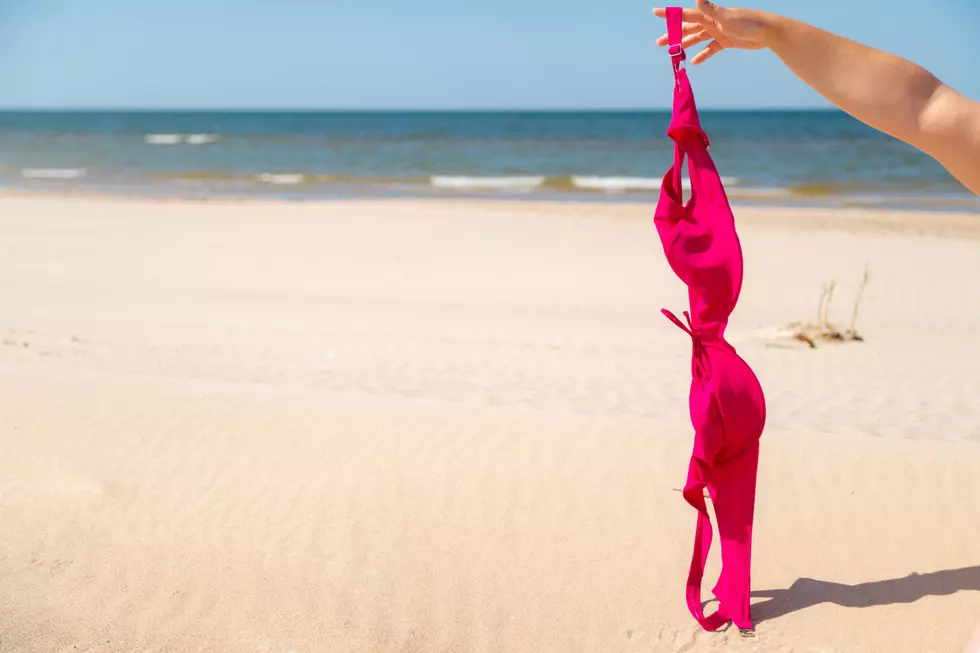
{"x":84,"y":109}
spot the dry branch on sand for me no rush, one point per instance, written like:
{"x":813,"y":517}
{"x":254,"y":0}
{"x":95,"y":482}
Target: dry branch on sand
{"x":823,"y":330}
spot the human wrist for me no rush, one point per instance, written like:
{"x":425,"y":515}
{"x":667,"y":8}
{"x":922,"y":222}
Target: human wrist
{"x":774,"y":29}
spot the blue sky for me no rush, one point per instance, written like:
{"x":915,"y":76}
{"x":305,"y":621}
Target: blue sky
{"x":383,"y":54}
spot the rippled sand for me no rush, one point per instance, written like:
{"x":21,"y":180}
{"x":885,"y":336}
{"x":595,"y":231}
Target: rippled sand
{"x":459,"y":426}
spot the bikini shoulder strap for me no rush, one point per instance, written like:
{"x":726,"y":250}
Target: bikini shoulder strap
{"x":674,"y":36}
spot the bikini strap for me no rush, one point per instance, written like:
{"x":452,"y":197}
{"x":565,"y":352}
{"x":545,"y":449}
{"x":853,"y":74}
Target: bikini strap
{"x":674,"y":36}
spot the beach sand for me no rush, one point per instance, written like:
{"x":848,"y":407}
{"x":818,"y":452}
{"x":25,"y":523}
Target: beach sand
{"x":462,"y":426}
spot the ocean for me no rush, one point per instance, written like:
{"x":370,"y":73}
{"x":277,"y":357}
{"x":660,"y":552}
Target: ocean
{"x":786,"y":157}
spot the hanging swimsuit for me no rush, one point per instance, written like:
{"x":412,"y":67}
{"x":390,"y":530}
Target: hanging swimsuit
{"x":727,"y":405}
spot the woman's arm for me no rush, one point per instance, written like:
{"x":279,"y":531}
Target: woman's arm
{"x":882,"y":90}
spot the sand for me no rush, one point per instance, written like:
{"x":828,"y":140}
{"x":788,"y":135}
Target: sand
{"x":461,"y":426}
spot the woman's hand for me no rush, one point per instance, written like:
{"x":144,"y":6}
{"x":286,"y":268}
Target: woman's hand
{"x":747,"y":29}
{"x":889,"y":93}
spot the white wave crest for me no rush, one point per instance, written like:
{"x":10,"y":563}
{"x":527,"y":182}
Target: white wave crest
{"x":271,"y":178}
{"x":616,"y":184}
{"x":624,"y":184}
{"x":177,"y":139}
{"x":499,"y":183}
{"x":52,"y":173}
{"x":201,"y":139}
{"x":162,"y":139}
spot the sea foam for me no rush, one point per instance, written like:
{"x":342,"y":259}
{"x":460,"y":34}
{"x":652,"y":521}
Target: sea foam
{"x":52,"y":173}
{"x":498,"y":183}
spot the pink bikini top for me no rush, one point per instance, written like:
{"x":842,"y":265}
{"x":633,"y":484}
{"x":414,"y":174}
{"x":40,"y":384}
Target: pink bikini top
{"x":698,"y":237}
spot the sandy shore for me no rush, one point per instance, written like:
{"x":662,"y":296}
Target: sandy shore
{"x":460,"y":426}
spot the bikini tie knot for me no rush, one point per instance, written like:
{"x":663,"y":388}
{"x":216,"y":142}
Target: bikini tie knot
{"x":700,"y":363}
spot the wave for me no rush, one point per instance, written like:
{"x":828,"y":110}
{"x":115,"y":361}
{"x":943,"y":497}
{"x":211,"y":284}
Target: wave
{"x":199,"y":175}
{"x":218,"y":176}
{"x":177,"y":139}
{"x":497,"y":183}
{"x":201,"y":139}
{"x":616,"y":184}
{"x":526,"y":183}
{"x":625,"y":184}
{"x":573,"y":183}
{"x":52,"y":173}
{"x":162,"y":139}
{"x":632,"y":188}
{"x":280,"y":178}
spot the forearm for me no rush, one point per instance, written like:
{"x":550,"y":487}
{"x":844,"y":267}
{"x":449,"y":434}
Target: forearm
{"x":886,"y":92}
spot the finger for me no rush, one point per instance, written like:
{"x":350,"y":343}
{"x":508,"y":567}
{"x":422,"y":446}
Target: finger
{"x":691,"y":15}
{"x":708,"y":8}
{"x":686,"y":29}
{"x":694,"y":39}
{"x":709,"y":51}
{"x":691,"y":28}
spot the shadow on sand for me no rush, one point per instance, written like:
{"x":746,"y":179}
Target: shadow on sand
{"x":807,"y":592}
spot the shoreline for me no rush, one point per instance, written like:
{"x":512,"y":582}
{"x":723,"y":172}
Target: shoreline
{"x":909,"y":221}
{"x":395,"y":190}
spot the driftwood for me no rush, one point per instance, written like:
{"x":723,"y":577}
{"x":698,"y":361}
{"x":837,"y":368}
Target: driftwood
{"x":823,"y":330}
